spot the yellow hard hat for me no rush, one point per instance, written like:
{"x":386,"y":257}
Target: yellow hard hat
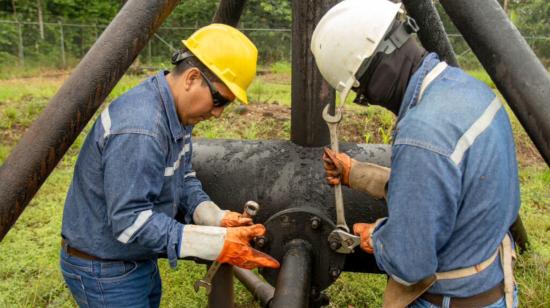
{"x":228,"y":53}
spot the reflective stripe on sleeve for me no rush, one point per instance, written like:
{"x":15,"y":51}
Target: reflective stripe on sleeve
{"x":125,"y":236}
{"x":191,"y":174}
{"x":479,"y":126}
{"x":106,"y":122}
{"x":169,"y":171}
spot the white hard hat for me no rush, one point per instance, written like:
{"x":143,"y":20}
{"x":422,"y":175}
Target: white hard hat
{"x":348,"y":35}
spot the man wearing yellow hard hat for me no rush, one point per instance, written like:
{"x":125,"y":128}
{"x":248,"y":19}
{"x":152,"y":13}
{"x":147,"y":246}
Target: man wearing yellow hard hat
{"x":134,"y":174}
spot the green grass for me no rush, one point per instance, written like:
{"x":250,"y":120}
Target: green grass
{"x":29,"y":272}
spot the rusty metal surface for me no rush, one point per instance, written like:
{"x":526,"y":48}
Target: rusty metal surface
{"x":229,"y":12}
{"x":432,"y":33}
{"x":310,"y":92}
{"x":508,"y":59}
{"x":49,"y":137}
{"x":221,"y":295}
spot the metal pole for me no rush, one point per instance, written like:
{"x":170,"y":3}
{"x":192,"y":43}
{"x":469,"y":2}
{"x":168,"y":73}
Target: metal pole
{"x":229,"y":12}
{"x":221,"y":295}
{"x":260,"y":289}
{"x":432,"y":33}
{"x":310,"y":92}
{"x":20,"y":44}
{"x":62,"y":37}
{"x":294,"y":280}
{"x":47,"y":140}
{"x":508,"y":59}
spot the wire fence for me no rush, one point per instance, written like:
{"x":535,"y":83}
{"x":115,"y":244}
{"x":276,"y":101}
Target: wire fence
{"x":63,"y":44}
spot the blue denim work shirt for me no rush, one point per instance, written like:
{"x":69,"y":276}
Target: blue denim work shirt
{"x":453,"y":191}
{"x":132,"y":176}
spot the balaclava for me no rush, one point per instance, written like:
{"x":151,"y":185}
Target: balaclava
{"x":386,"y":79}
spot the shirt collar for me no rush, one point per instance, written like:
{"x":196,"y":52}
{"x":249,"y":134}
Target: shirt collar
{"x":413,"y":89}
{"x":176,"y":128}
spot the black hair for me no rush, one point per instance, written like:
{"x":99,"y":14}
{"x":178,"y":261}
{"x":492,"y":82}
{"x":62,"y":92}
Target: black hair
{"x":189,"y":62}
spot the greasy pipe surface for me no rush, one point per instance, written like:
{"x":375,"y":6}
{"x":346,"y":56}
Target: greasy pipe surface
{"x":49,"y":137}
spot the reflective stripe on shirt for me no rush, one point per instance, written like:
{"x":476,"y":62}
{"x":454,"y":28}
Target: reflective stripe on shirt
{"x":125,"y":236}
{"x":169,"y":171}
{"x":479,"y":126}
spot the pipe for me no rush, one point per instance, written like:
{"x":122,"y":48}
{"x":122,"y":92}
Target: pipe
{"x":310,"y":92}
{"x":508,"y":59}
{"x":229,"y":12}
{"x":221,"y":294}
{"x":260,"y":289}
{"x":432,"y":33}
{"x":294,"y":280}
{"x":49,"y":137}
{"x":280,"y":175}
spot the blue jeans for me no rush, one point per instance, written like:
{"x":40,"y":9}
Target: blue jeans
{"x":501,"y":303}
{"x":112,"y":283}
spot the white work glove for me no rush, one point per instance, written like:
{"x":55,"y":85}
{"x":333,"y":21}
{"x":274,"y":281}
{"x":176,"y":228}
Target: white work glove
{"x":225,"y":245}
{"x":208,"y":213}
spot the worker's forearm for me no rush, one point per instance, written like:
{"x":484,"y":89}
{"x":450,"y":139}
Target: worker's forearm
{"x":369,"y":178}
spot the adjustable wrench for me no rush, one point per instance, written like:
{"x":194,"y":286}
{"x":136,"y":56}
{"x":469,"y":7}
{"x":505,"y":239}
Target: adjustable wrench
{"x":332,"y":123}
{"x":250,"y":210}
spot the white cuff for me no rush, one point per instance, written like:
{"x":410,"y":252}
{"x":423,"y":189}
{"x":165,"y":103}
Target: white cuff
{"x":202,"y":242}
{"x":207,"y":213}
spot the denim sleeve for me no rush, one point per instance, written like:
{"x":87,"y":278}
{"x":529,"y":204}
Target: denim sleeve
{"x":423,"y":195}
{"x":133,"y":178}
{"x":192,"y":193}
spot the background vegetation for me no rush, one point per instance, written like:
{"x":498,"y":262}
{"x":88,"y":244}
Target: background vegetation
{"x":29,"y":272}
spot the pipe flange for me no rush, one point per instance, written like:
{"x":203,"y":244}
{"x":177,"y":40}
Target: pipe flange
{"x":310,"y":225}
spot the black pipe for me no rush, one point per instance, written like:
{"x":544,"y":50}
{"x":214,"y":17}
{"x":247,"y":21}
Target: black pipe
{"x":280,"y":175}
{"x":432,"y":33}
{"x":294,"y":280}
{"x":229,"y":12}
{"x":221,"y":295}
{"x":49,"y":137}
{"x":508,"y":59}
{"x":310,"y":92}
{"x":260,"y":289}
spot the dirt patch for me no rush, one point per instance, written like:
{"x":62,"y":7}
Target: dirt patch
{"x":280,"y":78}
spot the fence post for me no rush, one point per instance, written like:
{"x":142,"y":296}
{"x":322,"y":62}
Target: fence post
{"x":63,"y":60}
{"x":20,"y":44}
{"x":149,"y":52}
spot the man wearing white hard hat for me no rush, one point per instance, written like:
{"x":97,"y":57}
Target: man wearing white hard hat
{"x":452,"y":190}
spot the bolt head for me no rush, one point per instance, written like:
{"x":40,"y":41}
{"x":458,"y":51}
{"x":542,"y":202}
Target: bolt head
{"x":315,"y":223}
{"x":335,"y":245}
{"x":260,"y":241}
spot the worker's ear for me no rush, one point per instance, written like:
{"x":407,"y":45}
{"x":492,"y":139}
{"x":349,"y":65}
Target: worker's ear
{"x":190,"y":77}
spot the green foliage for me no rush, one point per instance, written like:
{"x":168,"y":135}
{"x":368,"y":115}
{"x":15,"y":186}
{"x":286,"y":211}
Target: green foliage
{"x":29,"y":272}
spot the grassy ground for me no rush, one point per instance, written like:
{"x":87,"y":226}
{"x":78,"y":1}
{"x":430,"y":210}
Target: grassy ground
{"x":29,"y":274}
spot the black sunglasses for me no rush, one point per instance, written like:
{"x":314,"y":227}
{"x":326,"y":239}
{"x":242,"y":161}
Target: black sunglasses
{"x":217,"y":98}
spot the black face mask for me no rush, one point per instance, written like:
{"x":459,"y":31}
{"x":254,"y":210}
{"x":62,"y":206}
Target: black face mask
{"x":385,"y":81}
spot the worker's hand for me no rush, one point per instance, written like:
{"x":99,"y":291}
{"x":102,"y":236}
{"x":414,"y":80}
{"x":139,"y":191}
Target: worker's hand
{"x":234,"y":219}
{"x":237,"y":250}
{"x":364,"y":230}
{"x":337,"y":167}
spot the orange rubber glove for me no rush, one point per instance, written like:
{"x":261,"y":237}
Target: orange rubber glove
{"x":234,"y":219}
{"x":337,"y":167}
{"x":237,"y":250}
{"x":364,"y":230}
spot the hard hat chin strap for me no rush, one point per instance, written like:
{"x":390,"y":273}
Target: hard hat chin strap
{"x":394,"y":40}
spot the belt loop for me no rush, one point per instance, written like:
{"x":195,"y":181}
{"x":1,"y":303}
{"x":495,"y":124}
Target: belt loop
{"x":446,"y":302}
{"x":65,"y":246}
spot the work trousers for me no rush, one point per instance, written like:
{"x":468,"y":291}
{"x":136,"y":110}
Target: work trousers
{"x":112,"y":283}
